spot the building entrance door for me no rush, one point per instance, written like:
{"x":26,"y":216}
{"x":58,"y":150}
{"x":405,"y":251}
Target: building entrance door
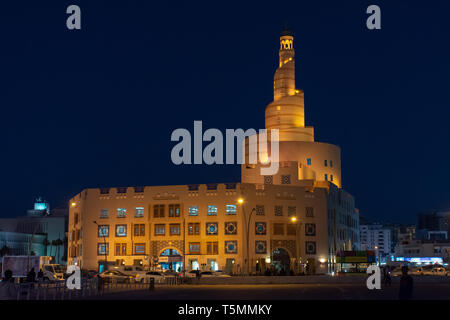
{"x":281,"y":262}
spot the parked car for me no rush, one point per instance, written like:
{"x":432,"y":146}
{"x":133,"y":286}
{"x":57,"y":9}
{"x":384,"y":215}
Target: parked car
{"x":208,"y":274}
{"x":158,"y":276}
{"x":169,"y":273}
{"x":439,"y":271}
{"x":222,"y":274}
{"x":396,"y":272}
{"x":129,"y":270}
{"x":191,"y":274}
{"x":116,"y":276}
{"x":89,"y":274}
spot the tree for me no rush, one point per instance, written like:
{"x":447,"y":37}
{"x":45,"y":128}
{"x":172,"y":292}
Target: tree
{"x":58,"y":243}
{"x":46,"y":244}
{"x":5,"y":250}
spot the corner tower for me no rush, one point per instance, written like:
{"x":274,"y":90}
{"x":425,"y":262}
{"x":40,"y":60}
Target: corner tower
{"x":287,"y":110}
{"x":303,"y":161}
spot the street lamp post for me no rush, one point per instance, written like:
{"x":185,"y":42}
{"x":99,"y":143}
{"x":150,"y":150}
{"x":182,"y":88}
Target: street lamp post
{"x":241,"y":201}
{"x":104,"y":243}
{"x":297,"y":236}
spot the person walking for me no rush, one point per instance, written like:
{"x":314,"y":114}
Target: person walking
{"x":31,"y":276}
{"x":8,"y":289}
{"x":387,"y":277}
{"x":406,"y":285}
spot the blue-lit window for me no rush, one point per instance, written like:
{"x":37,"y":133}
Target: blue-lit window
{"x":212,"y":210}
{"x":139,"y":212}
{"x":331,"y":163}
{"x":231,"y":209}
{"x":121,"y":230}
{"x":102,"y":248}
{"x":230,"y":246}
{"x":308,"y":161}
{"x":193,"y":211}
{"x":194,"y":247}
{"x":160,"y":229}
{"x":212,"y":228}
{"x":121,"y":212}
{"x":139,"y":248}
{"x":325,"y":163}
{"x":104,"y":213}
{"x":331,"y":177}
{"x":103,"y":231}
{"x":326,"y":177}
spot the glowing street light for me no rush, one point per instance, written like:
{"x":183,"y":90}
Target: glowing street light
{"x":294,"y":219}
{"x":240,"y":201}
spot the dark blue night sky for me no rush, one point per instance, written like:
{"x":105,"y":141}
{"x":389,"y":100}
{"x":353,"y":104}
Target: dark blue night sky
{"x":96,"y":107}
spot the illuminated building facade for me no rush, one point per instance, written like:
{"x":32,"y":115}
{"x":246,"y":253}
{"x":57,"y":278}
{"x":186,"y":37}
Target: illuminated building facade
{"x":295,"y":220}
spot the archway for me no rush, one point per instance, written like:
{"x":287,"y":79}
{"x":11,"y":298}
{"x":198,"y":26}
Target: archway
{"x":170,"y":259}
{"x":281,"y":261}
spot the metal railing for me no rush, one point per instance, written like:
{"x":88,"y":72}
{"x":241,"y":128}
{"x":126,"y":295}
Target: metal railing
{"x":57,"y":290}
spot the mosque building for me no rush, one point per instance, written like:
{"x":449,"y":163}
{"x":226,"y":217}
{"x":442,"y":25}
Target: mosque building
{"x":296,"y":220}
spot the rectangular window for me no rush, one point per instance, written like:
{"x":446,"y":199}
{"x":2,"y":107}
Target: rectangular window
{"x":212,"y":248}
{"x":278,"y":210}
{"x":139,"y":230}
{"x":158,"y":211}
{"x":292,"y":211}
{"x":160,"y":229}
{"x":121,"y":212}
{"x":121,"y":249}
{"x":138,"y":212}
{"x":103,"y":231}
{"x":121,"y":230}
{"x":331,"y":163}
{"x":193,"y":211}
{"x":212,"y":210}
{"x":139,"y":248}
{"x":291,"y":229}
{"x":325,"y":162}
{"x":259,"y":210}
{"x":104,"y":191}
{"x":194,"y":229}
{"x":309,"y":212}
{"x":138,"y":189}
{"x":174,"y":229}
{"x":278,"y":229}
{"x":174,"y":210}
{"x":102,"y":248}
{"x":231,"y":209}
{"x":121,"y":190}
{"x":331,"y":177}
{"x":194,"y":247}
{"x":104,"y":213}
{"x":326,"y":177}
{"x":286,"y":179}
{"x":308,"y":161}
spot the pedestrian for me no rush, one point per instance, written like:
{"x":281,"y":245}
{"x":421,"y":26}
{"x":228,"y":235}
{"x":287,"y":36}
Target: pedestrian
{"x":406,"y":285}
{"x":387,"y":279}
{"x":31,"y":276}
{"x":7,"y":287}
{"x":100,"y":284}
{"x":40,"y":275}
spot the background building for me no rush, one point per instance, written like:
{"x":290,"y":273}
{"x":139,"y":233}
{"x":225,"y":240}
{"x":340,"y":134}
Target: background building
{"x":376,"y":237}
{"x":39,"y":223}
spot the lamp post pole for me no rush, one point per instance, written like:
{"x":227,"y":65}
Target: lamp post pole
{"x":184,"y":245}
{"x":297,"y":236}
